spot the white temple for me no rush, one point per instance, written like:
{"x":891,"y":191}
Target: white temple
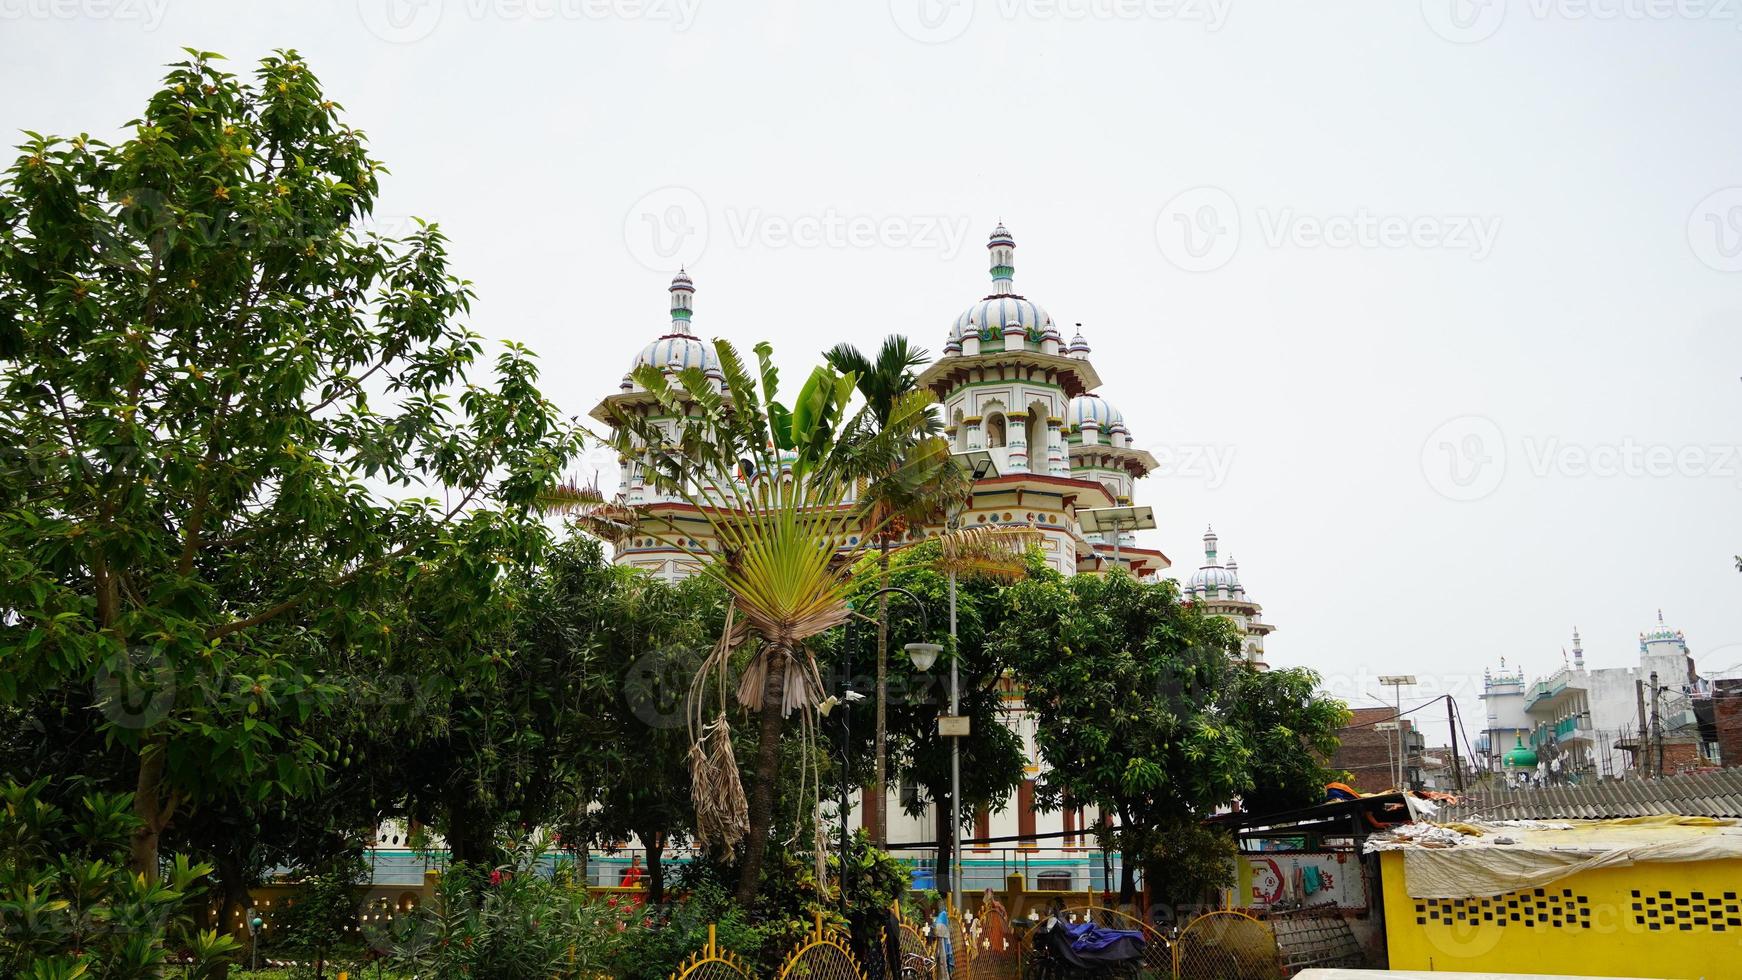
{"x":1007,"y":383}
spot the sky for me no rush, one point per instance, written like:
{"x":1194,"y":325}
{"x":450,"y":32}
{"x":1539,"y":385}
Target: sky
{"x":1431,"y":308}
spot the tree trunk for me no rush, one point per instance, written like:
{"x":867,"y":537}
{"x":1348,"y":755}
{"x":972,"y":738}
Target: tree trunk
{"x":149,"y":807}
{"x":767,"y":774}
{"x":470,"y":833}
{"x":233,"y":904}
{"x":655,"y":844}
{"x":880,"y":785}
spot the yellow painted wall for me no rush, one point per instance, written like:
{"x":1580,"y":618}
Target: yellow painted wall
{"x":1647,"y":920}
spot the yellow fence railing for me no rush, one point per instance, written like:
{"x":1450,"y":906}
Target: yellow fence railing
{"x":1221,"y":945}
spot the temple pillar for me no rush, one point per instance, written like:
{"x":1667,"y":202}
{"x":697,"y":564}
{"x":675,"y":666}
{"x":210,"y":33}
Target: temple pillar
{"x":1016,"y":439}
{"x":1057,"y":459}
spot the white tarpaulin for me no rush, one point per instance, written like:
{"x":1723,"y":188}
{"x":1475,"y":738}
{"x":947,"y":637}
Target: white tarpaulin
{"x":1482,"y":860}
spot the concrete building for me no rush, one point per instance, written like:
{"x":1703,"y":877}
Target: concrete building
{"x":1585,"y":722}
{"x":1507,"y":722}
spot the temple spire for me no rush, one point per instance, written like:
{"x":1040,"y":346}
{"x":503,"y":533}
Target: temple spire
{"x":683,"y":291}
{"x":1003,"y":249}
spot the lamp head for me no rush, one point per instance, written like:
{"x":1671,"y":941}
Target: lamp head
{"x":923,"y":655}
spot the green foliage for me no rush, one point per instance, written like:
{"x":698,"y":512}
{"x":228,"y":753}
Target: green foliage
{"x":657,"y":939}
{"x":217,"y":371}
{"x":874,"y":877}
{"x":514,"y":922}
{"x":1143,"y":711}
{"x":651,"y":637}
{"x":70,"y":906}
{"x":1186,"y":863}
{"x":1292,"y":730}
{"x":992,"y":760}
{"x":317,"y":924}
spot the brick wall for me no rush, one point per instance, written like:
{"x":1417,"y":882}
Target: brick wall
{"x":1727,"y":714}
{"x":1366,"y":752}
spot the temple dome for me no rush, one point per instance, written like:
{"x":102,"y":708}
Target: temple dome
{"x":988,"y":318}
{"x":996,"y":312}
{"x":1091,"y":406}
{"x":679,"y":348}
{"x":1213,"y":579}
{"x":676,"y":352}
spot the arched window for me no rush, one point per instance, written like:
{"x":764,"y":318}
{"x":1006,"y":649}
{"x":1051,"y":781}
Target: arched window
{"x":995,"y":430}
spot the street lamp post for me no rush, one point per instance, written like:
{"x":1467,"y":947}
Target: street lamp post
{"x":922,"y":655}
{"x":977,"y":464}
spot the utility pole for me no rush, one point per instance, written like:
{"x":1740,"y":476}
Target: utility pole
{"x":1641,"y":761}
{"x":1656,"y":725}
{"x":1396,"y":682}
{"x":1452,"y":733}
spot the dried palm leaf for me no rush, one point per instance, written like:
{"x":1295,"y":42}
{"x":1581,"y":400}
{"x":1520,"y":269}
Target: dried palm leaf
{"x":994,"y":552}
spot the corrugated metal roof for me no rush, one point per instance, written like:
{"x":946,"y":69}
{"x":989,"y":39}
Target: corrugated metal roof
{"x":1713,"y":794}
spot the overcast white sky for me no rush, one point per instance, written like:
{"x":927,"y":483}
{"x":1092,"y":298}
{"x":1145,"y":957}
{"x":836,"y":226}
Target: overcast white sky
{"x":1431,"y":308}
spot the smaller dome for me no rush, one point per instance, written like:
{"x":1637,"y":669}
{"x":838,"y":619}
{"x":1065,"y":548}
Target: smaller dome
{"x":1093,"y":406}
{"x":1213,"y":578}
{"x":1519,"y":756}
{"x":1078,"y":344}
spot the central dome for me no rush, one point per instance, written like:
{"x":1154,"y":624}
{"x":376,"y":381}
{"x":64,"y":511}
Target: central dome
{"x":676,"y":352}
{"x":678,"y":348}
{"x":989,"y":316}
{"x":988,"y":319}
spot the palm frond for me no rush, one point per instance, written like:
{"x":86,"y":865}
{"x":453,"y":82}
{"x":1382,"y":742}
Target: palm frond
{"x":996,"y":552}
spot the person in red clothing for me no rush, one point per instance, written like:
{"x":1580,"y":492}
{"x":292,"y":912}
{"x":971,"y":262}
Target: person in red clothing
{"x":632,"y":875}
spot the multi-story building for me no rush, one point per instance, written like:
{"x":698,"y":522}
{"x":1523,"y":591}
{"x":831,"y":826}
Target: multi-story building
{"x":1582,"y":722}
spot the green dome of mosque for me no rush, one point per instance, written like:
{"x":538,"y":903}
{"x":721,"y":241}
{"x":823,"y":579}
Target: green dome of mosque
{"x":1520,"y":757}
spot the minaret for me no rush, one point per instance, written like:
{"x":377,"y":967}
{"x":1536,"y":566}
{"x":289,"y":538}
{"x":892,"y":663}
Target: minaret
{"x":1578,"y":651}
{"x":1003,"y":249}
{"x":1209,"y":547}
{"x":683,"y":292}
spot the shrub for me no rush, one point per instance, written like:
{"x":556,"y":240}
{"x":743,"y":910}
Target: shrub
{"x":69,"y":906}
